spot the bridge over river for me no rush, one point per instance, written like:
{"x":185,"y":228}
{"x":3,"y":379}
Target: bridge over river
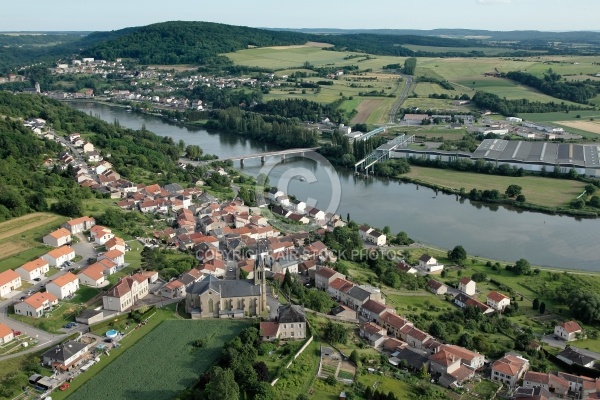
{"x":262,"y":156}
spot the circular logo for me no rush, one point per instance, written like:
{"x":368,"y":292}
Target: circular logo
{"x":303,"y":208}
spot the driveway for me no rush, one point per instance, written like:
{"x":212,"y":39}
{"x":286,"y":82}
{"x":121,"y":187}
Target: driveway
{"x":273,"y":304}
{"x":558,"y":343}
{"x":84,"y":249}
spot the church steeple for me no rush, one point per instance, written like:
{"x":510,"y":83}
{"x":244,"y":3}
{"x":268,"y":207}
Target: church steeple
{"x":260,"y":277}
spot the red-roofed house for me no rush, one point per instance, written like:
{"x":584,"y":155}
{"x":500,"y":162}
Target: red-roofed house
{"x":9,"y":281}
{"x":92,"y":276}
{"x":57,"y":257}
{"x":372,"y":309}
{"x":567,"y":330}
{"x":116,"y":243}
{"x":497,"y":301}
{"x":101,"y":234}
{"x":324,"y":276}
{"x":337,"y":287}
{"x":269,"y":331}
{"x":116,"y":256}
{"x":509,"y":369}
{"x":33,"y":269}
{"x":36,"y":304}
{"x":125,"y":293}
{"x":214,"y":267}
{"x":58,"y":238}
{"x":375,"y":334}
{"x":394,"y":323}
{"x":173,"y":289}
{"x":416,"y":338}
{"x":437,"y":287}
{"x":79,"y":225}
{"x":63,"y":286}
{"x":467,"y":285}
{"x":6,"y":334}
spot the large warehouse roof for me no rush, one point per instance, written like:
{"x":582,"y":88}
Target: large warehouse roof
{"x":578,"y":155}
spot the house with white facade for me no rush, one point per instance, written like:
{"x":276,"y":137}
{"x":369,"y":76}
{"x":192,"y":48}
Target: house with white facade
{"x":36,"y":305}
{"x":509,"y":369}
{"x":92,"y":275}
{"x":64,"y":286}
{"x":429,"y":264}
{"x":116,"y":256}
{"x":58,"y":257}
{"x":37,"y":268}
{"x":125,"y":293}
{"x":6,"y":334}
{"x":101,"y":234}
{"x":59,"y":237}
{"x":9,"y":281}
{"x":65,"y":356}
{"x":497,"y":301}
{"x":467,"y":286}
{"x":568,"y":330}
{"x":79,"y":225}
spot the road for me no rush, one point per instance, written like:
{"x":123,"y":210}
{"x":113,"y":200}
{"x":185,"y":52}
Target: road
{"x":402,"y":97}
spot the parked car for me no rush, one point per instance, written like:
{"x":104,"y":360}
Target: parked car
{"x":64,"y":386}
{"x":37,"y":279}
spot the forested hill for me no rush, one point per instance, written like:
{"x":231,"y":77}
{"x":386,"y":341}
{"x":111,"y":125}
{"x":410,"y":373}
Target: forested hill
{"x":182,"y":42}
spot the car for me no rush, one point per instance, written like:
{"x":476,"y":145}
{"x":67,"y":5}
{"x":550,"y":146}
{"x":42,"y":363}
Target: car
{"x":230,"y":269}
{"x":29,"y":292}
{"x":64,"y":386}
{"x":37,"y":279}
{"x":68,"y":326}
{"x":23,"y":297}
{"x":71,"y":269}
{"x":107,"y":340}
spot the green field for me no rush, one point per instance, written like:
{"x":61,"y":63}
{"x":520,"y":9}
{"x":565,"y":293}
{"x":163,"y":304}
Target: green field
{"x":433,"y":104}
{"x":163,"y":363}
{"x":423,"y":89}
{"x":560,"y":116}
{"x":537,"y":190}
{"x":490,"y":51}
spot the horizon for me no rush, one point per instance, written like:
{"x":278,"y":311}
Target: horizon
{"x":492,"y":15}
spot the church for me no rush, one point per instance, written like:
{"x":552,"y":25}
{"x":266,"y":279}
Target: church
{"x":216,"y":298}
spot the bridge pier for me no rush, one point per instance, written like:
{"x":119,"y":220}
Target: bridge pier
{"x":283,"y":157}
{"x":262,"y":159}
{"x":241,"y":162}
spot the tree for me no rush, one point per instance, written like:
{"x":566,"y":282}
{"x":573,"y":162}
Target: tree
{"x":513,"y":190}
{"x":466,"y":340}
{"x":585,"y":305}
{"x":542,"y":307}
{"x":522,"y":267}
{"x":458,"y":254}
{"x":536,"y":304}
{"x":335,"y":333}
{"x":437,"y":329}
{"x":262,"y":371}
{"x":479,"y":277}
{"x":410,"y":64}
{"x":223,"y":385}
{"x":595,"y":201}
{"x":577,"y":203}
{"x":193,"y":152}
{"x":355,"y":357}
{"x":590,"y":189}
{"x":520,"y":199}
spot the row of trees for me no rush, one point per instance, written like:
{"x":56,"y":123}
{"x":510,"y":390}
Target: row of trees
{"x":553,"y":85}
{"x":492,"y":102}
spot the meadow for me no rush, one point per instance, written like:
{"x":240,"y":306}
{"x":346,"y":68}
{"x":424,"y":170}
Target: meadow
{"x":537,"y":190}
{"x":163,"y":363}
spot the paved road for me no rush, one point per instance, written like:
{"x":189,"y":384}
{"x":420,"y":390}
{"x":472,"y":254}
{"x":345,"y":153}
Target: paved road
{"x":402,"y":97}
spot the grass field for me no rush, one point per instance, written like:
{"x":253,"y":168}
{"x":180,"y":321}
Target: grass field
{"x":560,"y":116}
{"x":21,"y":238}
{"x":424,"y":89}
{"x":364,"y":110}
{"x":433,"y":104}
{"x":154,"y":369}
{"x":537,"y":190}
{"x":490,"y":51}
{"x":588,"y":126}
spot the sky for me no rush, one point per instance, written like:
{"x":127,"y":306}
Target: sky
{"x":497,"y":15}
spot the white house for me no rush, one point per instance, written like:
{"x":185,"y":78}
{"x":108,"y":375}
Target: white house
{"x":63,"y":286}
{"x":467,"y":285}
{"x":79,"y":225}
{"x":509,"y":369}
{"x":299,"y":206}
{"x":567,"y":330}
{"x":36,"y":304}
{"x":59,"y":237}
{"x":6,"y":334}
{"x":116,"y":256}
{"x":92,"y":276}
{"x":101,"y":234}
{"x":57,"y":257}
{"x":116,"y":243}
{"x":274,"y":193}
{"x":9,"y":281}
{"x":429,"y":264}
{"x":33,"y":269}
{"x":125,"y":293}
{"x":284,"y":200}
{"x":497,"y":301}
{"x":377,"y":238}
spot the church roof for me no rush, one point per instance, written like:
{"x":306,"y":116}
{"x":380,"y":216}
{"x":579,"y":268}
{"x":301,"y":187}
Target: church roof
{"x":226,"y":288}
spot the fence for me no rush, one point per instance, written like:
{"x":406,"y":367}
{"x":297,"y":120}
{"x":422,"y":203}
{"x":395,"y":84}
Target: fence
{"x":300,"y":351}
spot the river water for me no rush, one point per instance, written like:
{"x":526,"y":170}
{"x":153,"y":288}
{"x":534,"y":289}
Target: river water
{"x":440,"y":220}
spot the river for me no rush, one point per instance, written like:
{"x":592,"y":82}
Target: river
{"x":440,"y":220}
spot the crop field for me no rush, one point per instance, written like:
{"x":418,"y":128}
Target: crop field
{"x":589,"y":126}
{"x":537,"y":190}
{"x":163,"y":363}
{"x":364,"y":109}
{"x":21,"y":238}
{"x":560,"y":116}
{"x":433,"y":104}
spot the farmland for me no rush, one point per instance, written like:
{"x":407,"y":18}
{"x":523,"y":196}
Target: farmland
{"x":21,"y":238}
{"x":163,"y":363}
